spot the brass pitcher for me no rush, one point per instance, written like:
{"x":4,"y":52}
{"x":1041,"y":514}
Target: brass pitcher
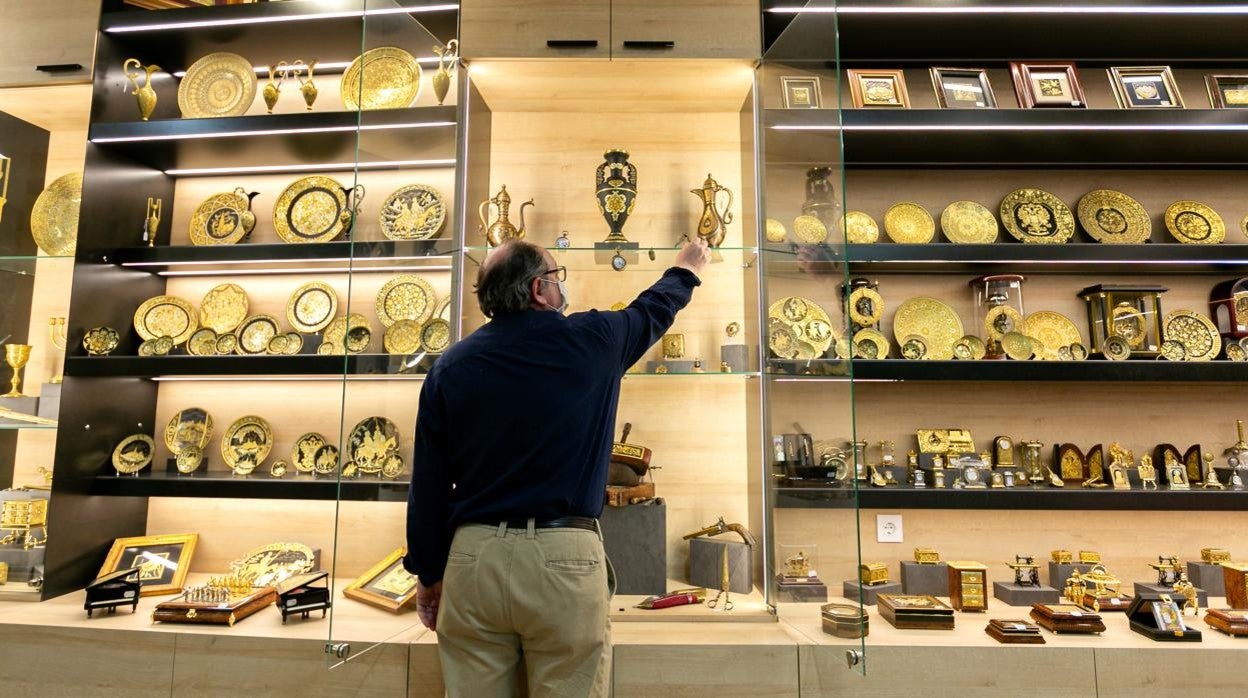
{"x":713,"y":226}
{"x":307,"y":88}
{"x":143,"y":93}
{"x":501,"y":229}
{"x":446,"y":60}
{"x":273,"y":90}
{"x":152,"y":222}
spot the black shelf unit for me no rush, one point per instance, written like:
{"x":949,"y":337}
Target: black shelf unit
{"x":340,"y":255}
{"x":255,"y":486}
{"x":375,"y":365}
{"x":1064,"y":499}
{"x":1089,"y":371}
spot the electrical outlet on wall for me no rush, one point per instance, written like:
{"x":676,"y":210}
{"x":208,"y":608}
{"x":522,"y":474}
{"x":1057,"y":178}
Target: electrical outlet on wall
{"x":888,"y":528}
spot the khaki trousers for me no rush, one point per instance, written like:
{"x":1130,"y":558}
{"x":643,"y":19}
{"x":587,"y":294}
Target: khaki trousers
{"x":525,"y":612}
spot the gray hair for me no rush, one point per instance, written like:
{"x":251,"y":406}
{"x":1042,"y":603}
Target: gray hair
{"x":503,"y":282}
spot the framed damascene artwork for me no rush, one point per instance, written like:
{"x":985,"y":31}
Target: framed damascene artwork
{"x":801,"y":92}
{"x":386,"y":584}
{"x":163,"y":561}
{"x":963,"y":88}
{"x":1047,"y":85}
{"x":1227,"y":91}
{"x":1147,"y":87}
{"x":878,"y":89}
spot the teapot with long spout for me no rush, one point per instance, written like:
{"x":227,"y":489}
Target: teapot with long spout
{"x":502,"y":229}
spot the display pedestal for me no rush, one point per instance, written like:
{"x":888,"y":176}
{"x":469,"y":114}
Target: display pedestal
{"x":706,"y":564}
{"x":799,"y":592}
{"x":737,"y":356}
{"x":23,"y":563}
{"x":24,"y":405}
{"x":50,"y":401}
{"x":1208,"y":577}
{"x":672,"y":366}
{"x":925,"y":580}
{"x":635,"y":538}
{"x":1059,"y":573}
{"x":850,"y":590}
{"x":1153,"y":591}
{"x":1014,"y":595}
{"x":606,"y":253}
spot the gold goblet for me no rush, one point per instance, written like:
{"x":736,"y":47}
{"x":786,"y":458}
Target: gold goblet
{"x":16,"y":356}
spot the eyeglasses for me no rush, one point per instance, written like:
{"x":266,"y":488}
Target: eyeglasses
{"x":561,"y":273}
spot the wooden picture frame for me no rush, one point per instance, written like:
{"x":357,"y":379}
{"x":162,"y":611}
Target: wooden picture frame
{"x":1145,"y":87}
{"x":386,"y":584}
{"x":1227,"y":91}
{"x":1047,"y":85}
{"x":801,"y":92}
{"x":878,"y":89}
{"x":963,"y":88}
{"x":163,"y":561}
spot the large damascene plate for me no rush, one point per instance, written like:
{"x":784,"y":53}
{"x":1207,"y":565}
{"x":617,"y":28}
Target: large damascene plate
{"x":403,"y":337}
{"x":1197,"y":333}
{"x":54,"y":219}
{"x":312,"y":307}
{"x":312,"y":209}
{"x":860,"y":228}
{"x":968,"y":223}
{"x":223,"y":308}
{"x":414,"y":212}
{"x":1035,"y":215}
{"x":166,"y":316}
{"x":255,"y":334}
{"x":909,"y":223}
{"x":246,"y":444}
{"x":1053,"y":330}
{"x":219,"y":219}
{"x":937,"y":323}
{"x":405,"y":297}
{"x":219,"y":84}
{"x":189,"y":428}
{"x":1114,"y":218}
{"x":1195,"y":223}
{"x":803,"y":329}
{"x":274,"y":563}
{"x":386,"y":77}
{"x":373,"y":441}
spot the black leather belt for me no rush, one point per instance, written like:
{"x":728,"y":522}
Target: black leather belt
{"x":582,"y":522}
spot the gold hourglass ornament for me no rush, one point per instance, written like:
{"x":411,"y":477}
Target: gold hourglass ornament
{"x":16,"y":356}
{"x":60,"y":335}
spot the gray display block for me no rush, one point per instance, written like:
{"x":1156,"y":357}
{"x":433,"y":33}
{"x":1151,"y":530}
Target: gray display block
{"x":25,"y":405}
{"x":706,"y":564}
{"x":737,"y":356}
{"x":22,"y":563}
{"x":1058,"y":574}
{"x":1152,"y":591}
{"x":50,"y":401}
{"x":932,"y":580}
{"x":1208,"y":577}
{"x":1014,"y":595}
{"x":850,"y":590}
{"x":635,"y":538}
{"x":798,"y":593}
{"x":676,"y":366}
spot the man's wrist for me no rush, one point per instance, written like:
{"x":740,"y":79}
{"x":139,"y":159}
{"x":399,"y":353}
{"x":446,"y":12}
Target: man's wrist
{"x":689,"y":270}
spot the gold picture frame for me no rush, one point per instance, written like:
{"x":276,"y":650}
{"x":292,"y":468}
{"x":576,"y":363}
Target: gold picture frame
{"x":163,"y":560}
{"x":1052,"y":84}
{"x":1145,"y":87}
{"x":386,"y":584}
{"x":963,"y":88}
{"x":801,"y":92}
{"x":1227,"y":91}
{"x":878,"y":89}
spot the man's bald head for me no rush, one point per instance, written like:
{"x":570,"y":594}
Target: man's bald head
{"x":506,"y":277}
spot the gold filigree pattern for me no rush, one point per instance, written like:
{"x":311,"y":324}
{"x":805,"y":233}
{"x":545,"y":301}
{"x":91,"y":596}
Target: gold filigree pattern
{"x":931,"y":319}
{"x":54,"y":219}
{"x":223,"y":308}
{"x":219,"y":84}
{"x":312,"y":209}
{"x":860,"y":228}
{"x":1053,"y":331}
{"x":218,"y":220}
{"x":435,"y":336}
{"x":1197,"y":333}
{"x":414,"y":212}
{"x":386,"y":77}
{"x":166,"y":316}
{"x":1035,"y":215}
{"x":1112,"y":217}
{"x":909,"y":223}
{"x":968,"y":223}
{"x":372,"y":442}
{"x":312,"y":307}
{"x":804,"y":330}
{"x":405,"y":297}
{"x":246,"y":443}
{"x":1194,"y":223}
{"x":255,"y":334}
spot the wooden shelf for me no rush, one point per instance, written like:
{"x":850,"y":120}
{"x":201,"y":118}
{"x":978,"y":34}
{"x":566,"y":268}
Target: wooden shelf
{"x":1133,"y":371}
{"x":1053,"y":499}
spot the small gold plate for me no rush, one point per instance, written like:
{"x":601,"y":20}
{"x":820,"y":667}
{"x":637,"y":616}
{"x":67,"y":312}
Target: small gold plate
{"x":914,"y":348}
{"x":414,"y":212}
{"x":54,"y":218}
{"x":100,"y":341}
{"x":1053,"y":330}
{"x":202,"y":343}
{"x":435,"y":336}
{"x":978,"y":349}
{"x":909,"y":223}
{"x":218,"y":220}
{"x":1194,"y":223}
{"x":223,"y":308}
{"x":1002,"y":320}
{"x":133,"y":454}
{"x":166,"y":316}
{"x":227,"y":344}
{"x":403,"y":337}
{"x":372,"y":442}
{"x":1035,"y":215}
{"x":312,"y":307}
{"x":860,"y":228}
{"x":386,"y":77}
{"x":335,"y":336}
{"x":246,"y":443}
{"x":1116,"y":348}
{"x":870,"y":344}
{"x":1112,"y":217}
{"x":405,"y":297}
{"x":1197,"y":333}
{"x":189,"y":428}
{"x":255,"y":333}
{"x":1017,"y":346}
{"x":809,"y":230}
{"x":775,"y":232}
{"x":968,"y":223}
{"x":303,"y":453}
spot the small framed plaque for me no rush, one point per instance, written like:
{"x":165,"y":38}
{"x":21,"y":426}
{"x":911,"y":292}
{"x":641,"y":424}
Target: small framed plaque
{"x":386,"y":584}
{"x":1227,"y":91}
{"x":801,"y":92}
{"x":162,"y":561}
{"x":1149,"y":87}
{"x":1047,"y":85}
{"x":878,"y":89}
{"x":963,"y":88}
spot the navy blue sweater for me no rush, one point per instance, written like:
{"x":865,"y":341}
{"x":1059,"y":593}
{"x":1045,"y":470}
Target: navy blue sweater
{"x":516,"y":420}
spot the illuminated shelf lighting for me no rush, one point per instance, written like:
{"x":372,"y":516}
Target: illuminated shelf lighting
{"x":331,"y":166}
{"x":196,"y":262}
{"x":314,"y":16}
{"x":297,"y":270}
{"x":277,"y":132}
{"x":1015,"y":127}
{"x":1020,"y":10}
{"x":293,"y":379}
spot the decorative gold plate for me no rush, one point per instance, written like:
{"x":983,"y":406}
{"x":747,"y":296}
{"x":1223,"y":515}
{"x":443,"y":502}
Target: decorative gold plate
{"x":255,"y":333}
{"x":970,"y":348}
{"x":219,"y":84}
{"x":809,"y":230}
{"x":218,"y":220}
{"x":54,"y":218}
{"x":1053,"y":330}
{"x":202,"y":343}
{"x":326,"y":460}
{"x":1116,"y":348}
{"x":968,"y":223}
{"x":1079,"y":351}
{"x":294,"y":343}
{"x":914,"y":348}
{"x":100,"y":341}
{"x":1243,"y":225}
{"x":335,"y":336}
{"x":227,"y":344}
{"x":1000,"y":321}
{"x":1018,"y":346}
{"x":383,"y":78}
{"x":224,"y":308}
{"x":810,"y":331}
{"x":190,"y":428}
{"x":414,"y":212}
{"x":312,"y":209}
{"x":303,"y":453}
{"x":866,"y":306}
{"x":1172,"y":350}
{"x":133,"y":454}
{"x":403,"y":337}
{"x":860,"y":228}
{"x":435,"y":336}
{"x":312,"y":307}
{"x":274,"y":563}
{"x":1194,"y":223}
{"x":166,"y":316}
{"x":1035,"y":215}
{"x":373,"y":441}
{"x":1197,"y":333}
{"x":246,"y":444}
{"x":1112,"y":217}
{"x":909,"y":223}
{"x":405,"y":297}
{"x":775,"y":232}
{"x":870,"y":344}
{"x":934,"y":321}
{"x":1234,"y":352}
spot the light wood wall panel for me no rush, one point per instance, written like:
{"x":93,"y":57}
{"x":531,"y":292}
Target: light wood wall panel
{"x":1166,"y":673}
{"x":37,"y":661}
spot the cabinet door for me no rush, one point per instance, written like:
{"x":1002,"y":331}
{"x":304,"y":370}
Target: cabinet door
{"x":535,"y":28}
{"x":47,"y":32}
{"x":685,"y":29}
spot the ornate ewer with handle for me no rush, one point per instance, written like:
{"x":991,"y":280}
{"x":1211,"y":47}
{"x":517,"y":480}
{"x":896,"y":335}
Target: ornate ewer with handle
{"x":713,"y":225}
{"x":501,"y":229}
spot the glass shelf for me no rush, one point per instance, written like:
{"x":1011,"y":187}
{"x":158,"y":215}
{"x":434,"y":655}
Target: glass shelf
{"x":26,"y":265}
{"x":594,"y":259}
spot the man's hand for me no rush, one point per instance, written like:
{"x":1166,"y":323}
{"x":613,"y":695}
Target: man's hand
{"x":427,"y":600}
{"x":693,"y":256}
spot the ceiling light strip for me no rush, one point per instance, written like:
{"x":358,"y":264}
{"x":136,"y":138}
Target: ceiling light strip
{"x":1019,"y":10}
{"x":345,"y":14}
{"x":327,"y":167}
{"x":1014,"y":127}
{"x":277,"y":132}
